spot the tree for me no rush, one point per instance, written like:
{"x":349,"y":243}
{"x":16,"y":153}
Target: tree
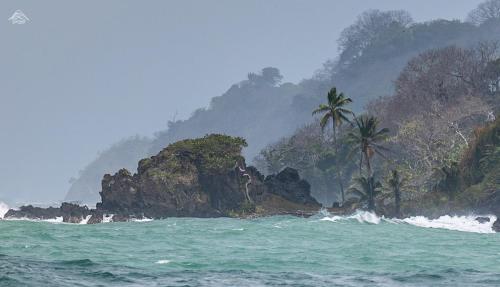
{"x":441,"y":77}
{"x":439,"y":135}
{"x":365,"y":188}
{"x":268,"y":76}
{"x":366,"y":139}
{"x":369,"y":26}
{"x":447,"y":179}
{"x":395,"y":183}
{"x":335,"y":112}
{"x":484,"y":12}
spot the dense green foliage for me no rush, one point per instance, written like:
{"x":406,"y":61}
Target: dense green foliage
{"x":182,"y":161}
{"x":481,"y":163}
{"x":213,"y":152}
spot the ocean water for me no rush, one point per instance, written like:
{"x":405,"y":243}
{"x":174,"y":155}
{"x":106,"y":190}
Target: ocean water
{"x":324,"y":250}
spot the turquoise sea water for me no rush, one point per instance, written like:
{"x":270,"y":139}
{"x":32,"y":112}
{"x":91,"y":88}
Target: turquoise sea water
{"x":274,"y":251}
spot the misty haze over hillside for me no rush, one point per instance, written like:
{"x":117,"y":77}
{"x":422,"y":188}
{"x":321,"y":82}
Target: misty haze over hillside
{"x":79,"y":77}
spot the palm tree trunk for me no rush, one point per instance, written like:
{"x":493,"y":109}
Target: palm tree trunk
{"x":371,"y":199}
{"x":397,"y":198}
{"x":360,"y":161}
{"x":337,"y":167}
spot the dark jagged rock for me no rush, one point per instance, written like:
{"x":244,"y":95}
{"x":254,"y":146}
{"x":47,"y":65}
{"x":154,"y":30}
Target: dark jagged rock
{"x":120,"y":218}
{"x":288,"y":185}
{"x":95,"y":218}
{"x":205,"y":177}
{"x":496,"y":225}
{"x":119,"y":192}
{"x":71,"y":213}
{"x":482,"y":219}
{"x":31,"y":212}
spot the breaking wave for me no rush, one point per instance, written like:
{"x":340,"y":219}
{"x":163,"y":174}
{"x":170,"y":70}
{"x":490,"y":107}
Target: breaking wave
{"x":3,"y":209}
{"x":470,"y":223}
{"x":86,"y":219}
{"x":106,"y":218}
{"x":458,"y":223}
{"x":360,"y":216}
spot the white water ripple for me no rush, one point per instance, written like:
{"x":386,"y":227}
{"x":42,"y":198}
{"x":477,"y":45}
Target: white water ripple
{"x":163,"y":261}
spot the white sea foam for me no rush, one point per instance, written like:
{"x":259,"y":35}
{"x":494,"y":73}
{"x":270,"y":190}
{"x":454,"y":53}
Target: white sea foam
{"x":163,"y":261}
{"x":107,"y":218}
{"x":145,"y":219}
{"x":86,"y":219}
{"x":3,"y":209}
{"x":54,"y":220}
{"x":458,"y":223}
{"x":49,"y":220}
{"x":360,"y":216}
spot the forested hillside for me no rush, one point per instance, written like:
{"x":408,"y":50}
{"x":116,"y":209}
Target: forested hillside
{"x":373,"y":52}
{"x":442,"y":99}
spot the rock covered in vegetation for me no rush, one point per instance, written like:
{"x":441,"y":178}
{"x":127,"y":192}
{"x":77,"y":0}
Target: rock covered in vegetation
{"x":205,"y":177}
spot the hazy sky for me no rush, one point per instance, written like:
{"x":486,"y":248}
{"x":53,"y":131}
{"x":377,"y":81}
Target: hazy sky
{"x":81,"y":75}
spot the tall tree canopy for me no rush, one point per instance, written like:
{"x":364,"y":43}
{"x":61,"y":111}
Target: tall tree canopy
{"x":369,"y":26}
{"x":486,"y":11}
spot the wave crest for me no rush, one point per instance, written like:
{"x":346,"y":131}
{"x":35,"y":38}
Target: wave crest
{"x":458,"y":223}
{"x":360,"y":215}
{"x":3,"y":209}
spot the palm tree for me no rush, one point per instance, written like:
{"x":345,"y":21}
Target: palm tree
{"x":396,"y":182}
{"x":367,"y":140}
{"x":335,"y":111}
{"x":361,"y":187}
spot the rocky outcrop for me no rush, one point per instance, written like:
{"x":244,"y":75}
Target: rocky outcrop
{"x":32,"y":212}
{"x":288,"y":185}
{"x":496,"y":226}
{"x":482,"y":219}
{"x":205,"y":177}
{"x":71,"y":213}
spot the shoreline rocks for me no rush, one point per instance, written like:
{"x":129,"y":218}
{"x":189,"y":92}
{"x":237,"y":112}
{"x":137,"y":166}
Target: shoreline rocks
{"x":205,"y":177}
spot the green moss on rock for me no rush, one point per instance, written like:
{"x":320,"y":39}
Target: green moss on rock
{"x":213,"y":152}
